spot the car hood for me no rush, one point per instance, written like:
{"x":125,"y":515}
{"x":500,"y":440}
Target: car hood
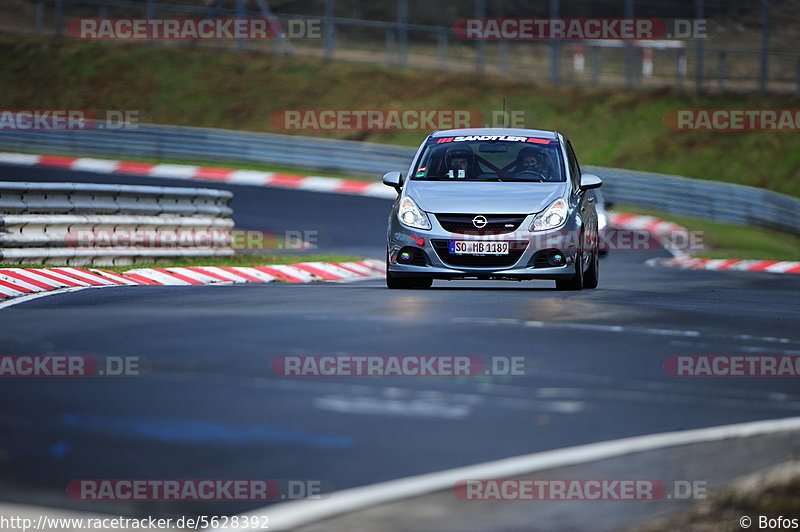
{"x":483,"y":197}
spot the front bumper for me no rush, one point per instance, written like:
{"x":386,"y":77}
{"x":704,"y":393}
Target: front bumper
{"x":439,"y":264}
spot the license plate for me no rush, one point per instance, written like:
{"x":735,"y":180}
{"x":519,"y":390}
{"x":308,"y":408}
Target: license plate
{"x":477,"y":247}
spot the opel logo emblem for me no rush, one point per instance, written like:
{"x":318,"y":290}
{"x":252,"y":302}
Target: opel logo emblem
{"x":480,"y":221}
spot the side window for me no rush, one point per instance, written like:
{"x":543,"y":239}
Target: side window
{"x":574,"y":168}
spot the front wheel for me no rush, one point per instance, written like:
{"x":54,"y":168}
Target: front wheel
{"x":592,"y":275}
{"x":407,"y":282}
{"x":394,"y":282}
{"x":576,"y":282}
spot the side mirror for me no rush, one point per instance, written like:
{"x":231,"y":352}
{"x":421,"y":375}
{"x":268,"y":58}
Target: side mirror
{"x":393,"y":179}
{"x":590,"y":181}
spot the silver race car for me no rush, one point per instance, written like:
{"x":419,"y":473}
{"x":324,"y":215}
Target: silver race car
{"x":493,"y":204}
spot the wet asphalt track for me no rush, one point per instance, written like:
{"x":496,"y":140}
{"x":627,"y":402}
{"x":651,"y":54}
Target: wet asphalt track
{"x":210,"y":407}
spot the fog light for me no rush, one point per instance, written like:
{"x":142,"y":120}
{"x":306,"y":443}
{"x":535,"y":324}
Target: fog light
{"x":405,"y":256}
{"x":555,"y":259}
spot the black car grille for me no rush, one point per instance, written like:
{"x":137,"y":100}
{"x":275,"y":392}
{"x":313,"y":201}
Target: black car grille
{"x":515,"y":250}
{"x":539,"y":259}
{"x":497,"y":224}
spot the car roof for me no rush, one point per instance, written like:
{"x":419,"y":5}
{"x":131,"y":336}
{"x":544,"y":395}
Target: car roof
{"x":540,"y":133}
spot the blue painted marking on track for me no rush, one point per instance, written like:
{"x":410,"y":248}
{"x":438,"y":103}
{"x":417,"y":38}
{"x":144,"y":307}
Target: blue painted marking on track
{"x":177,"y":430}
{"x":60,"y":449}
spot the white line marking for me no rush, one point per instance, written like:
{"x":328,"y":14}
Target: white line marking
{"x":578,"y":326}
{"x":289,"y":515}
{"x":29,"y":297}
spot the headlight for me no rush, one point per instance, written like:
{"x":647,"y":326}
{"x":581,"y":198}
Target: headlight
{"x":552,"y":217}
{"x":409,"y":214}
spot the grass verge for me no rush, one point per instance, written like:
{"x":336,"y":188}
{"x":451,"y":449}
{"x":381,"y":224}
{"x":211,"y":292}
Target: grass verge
{"x":724,"y":241}
{"x":198,"y":87}
{"x":771,"y":494}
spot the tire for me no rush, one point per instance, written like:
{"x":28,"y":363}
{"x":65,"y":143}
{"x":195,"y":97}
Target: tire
{"x":394,"y":282}
{"x":403,"y":283}
{"x":592,"y":275}
{"x":576,"y":282}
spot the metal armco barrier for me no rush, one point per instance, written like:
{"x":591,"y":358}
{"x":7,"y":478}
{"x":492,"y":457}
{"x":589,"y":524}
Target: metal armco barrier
{"x":711,"y":200}
{"x":698,"y":198}
{"x":77,"y":223}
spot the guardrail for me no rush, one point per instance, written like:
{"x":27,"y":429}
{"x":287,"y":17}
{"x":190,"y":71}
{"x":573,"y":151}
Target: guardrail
{"x":77,"y":223}
{"x":698,"y":198}
{"x":711,"y":200}
{"x":208,"y":144}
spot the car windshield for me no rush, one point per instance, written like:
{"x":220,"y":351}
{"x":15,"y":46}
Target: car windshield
{"x":491,"y":158}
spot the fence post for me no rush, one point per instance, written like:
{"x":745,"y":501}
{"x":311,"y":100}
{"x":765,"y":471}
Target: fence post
{"x":240,"y":14}
{"x":480,"y":44}
{"x":151,"y":12}
{"x":402,"y":29}
{"x":39,"y":16}
{"x":721,"y":70}
{"x":554,"y":45}
{"x":762,"y":84}
{"x":596,"y":64}
{"x":629,"y":53}
{"x":329,"y":29}
{"x":502,"y":48}
{"x":798,"y":75}
{"x":442,"y":45}
{"x":698,"y":6}
{"x":647,"y":62}
{"x":390,"y":45}
{"x":59,"y":14}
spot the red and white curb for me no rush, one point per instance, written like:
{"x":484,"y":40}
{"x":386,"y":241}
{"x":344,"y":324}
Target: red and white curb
{"x":17,"y":282}
{"x":738,"y":265}
{"x":663,"y":230}
{"x":331,"y":185}
{"x":660,"y":229}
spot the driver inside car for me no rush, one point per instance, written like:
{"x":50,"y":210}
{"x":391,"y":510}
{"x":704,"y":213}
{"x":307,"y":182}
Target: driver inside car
{"x":530,"y":161}
{"x":461,"y":161}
